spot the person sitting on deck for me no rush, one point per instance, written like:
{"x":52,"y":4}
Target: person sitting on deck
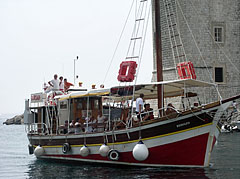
{"x":101,"y":121}
{"x":72,"y":127}
{"x":88,"y":124}
{"x":67,"y":85}
{"x":78,"y":128}
{"x":170,"y":109}
{"x":147,"y":112}
{"x":65,"y":129}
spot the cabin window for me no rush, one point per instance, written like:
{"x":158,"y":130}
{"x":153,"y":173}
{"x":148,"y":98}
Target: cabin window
{"x":219,"y":75}
{"x":96,"y":104}
{"x":63,"y":105}
{"x":218,"y":34}
{"x":79,"y":104}
{"x":86,"y":113}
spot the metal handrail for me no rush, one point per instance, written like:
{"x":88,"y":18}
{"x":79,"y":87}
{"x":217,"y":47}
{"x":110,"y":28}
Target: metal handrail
{"x":33,"y":128}
{"x":161,"y":112}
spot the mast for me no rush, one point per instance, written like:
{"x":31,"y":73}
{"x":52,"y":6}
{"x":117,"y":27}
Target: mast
{"x":157,"y":48}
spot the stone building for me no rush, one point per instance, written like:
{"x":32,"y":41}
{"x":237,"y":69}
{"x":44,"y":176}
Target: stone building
{"x":210,"y":34}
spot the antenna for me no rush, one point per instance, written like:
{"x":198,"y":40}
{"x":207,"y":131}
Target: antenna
{"x":74,"y":77}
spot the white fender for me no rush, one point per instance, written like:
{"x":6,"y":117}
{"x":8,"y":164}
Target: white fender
{"x":140,"y":151}
{"x":38,"y":151}
{"x":103,"y":150}
{"x":84,"y":151}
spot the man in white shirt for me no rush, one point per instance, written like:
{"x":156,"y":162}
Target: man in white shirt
{"x":139,"y":105}
{"x":54,"y":83}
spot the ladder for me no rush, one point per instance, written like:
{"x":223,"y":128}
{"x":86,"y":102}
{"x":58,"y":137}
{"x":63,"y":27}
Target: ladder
{"x":136,"y":41}
{"x":177,"y":47}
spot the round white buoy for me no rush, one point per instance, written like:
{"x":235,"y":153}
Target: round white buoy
{"x":84,"y":151}
{"x":38,"y":151}
{"x":103,"y":150}
{"x":140,"y":151}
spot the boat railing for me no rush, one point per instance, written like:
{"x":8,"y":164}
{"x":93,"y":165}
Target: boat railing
{"x":37,"y":128}
{"x":116,"y":123}
{"x":160,"y":113}
{"x":84,"y":128}
{"x":46,"y":98}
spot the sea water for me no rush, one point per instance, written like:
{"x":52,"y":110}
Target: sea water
{"x":15,"y":162}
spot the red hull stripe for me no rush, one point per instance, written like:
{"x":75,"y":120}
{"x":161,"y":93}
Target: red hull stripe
{"x":186,"y":152}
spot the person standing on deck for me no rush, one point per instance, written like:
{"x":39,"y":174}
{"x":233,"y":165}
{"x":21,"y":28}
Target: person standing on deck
{"x":61,"y":84}
{"x":54,"y":83}
{"x":139,"y":105}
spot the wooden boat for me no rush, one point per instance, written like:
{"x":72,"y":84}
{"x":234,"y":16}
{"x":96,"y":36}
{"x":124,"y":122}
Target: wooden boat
{"x":183,"y":138}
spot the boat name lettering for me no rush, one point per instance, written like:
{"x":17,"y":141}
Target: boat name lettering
{"x":183,"y":124}
{"x":35,"y":97}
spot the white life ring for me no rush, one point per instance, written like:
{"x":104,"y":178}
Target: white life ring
{"x":66,"y":147}
{"x":113,"y":155}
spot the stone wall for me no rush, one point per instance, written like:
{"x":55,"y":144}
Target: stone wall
{"x":202,"y":16}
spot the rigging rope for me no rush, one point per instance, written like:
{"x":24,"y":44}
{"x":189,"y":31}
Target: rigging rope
{"x":137,"y":41}
{"x":140,"y":57}
{"x":169,"y":33}
{"x":172,"y":39}
{"x":144,"y":30}
{"x":142,"y":45}
{"x":194,"y":39}
{"x":118,"y":42}
{"x":135,"y":29}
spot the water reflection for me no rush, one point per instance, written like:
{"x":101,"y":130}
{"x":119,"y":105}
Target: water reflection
{"x":47,"y":169}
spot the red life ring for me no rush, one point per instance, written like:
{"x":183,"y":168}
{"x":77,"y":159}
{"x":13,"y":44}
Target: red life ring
{"x":127,"y":71}
{"x":186,"y":70}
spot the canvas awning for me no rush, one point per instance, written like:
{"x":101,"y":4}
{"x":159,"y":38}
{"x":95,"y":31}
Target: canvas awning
{"x":81,"y":94}
{"x":171,"y":89}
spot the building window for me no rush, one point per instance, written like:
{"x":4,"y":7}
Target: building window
{"x":218,"y":34}
{"x":219,"y":76}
